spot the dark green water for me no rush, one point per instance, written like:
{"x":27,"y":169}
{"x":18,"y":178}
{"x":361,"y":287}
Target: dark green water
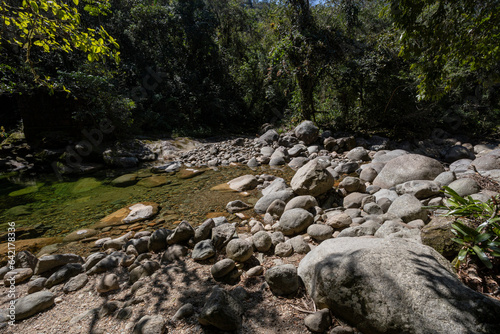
{"x":74,"y":203}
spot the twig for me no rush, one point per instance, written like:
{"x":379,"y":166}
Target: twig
{"x":301,"y":310}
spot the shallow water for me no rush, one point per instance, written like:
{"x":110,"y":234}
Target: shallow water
{"x":74,"y":203}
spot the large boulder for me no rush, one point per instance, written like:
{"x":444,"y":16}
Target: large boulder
{"x":394,"y":286}
{"x":307,"y":132}
{"x":408,"y":167}
{"x":312,"y":179}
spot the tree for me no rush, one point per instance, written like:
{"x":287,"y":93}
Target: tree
{"x":443,"y":37}
{"x":307,"y":49}
{"x":53,"y":26}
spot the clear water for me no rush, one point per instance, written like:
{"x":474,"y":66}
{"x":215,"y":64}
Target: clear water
{"x":74,"y":203}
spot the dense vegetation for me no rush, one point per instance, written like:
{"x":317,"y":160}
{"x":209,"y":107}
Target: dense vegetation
{"x":200,"y":67}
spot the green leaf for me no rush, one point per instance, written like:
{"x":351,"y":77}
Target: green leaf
{"x":459,"y":241}
{"x":482,"y":237}
{"x":462,"y":254}
{"x":76,"y":2}
{"x":482,"y":256}
{"x":464,"y":229}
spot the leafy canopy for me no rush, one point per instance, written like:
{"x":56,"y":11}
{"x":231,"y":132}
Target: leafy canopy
{"x":54,"y":25}
{"x":441,"y":36}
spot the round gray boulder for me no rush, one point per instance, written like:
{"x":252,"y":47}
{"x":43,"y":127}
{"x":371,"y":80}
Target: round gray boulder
{"x":295,"y":221}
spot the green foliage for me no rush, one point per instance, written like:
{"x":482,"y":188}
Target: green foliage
{"x":439,"y":36}
{"x":482,"y":240}
{"x":52,"y":26}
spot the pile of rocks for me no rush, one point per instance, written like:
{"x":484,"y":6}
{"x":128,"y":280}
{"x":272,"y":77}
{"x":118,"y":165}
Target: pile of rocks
{"x":374,"y":252}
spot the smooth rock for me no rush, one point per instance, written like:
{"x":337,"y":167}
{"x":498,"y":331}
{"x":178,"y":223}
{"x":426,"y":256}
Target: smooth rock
{"x":408,"y":208}
{"x":222,"y":311}
{"x":408,"y":167}
{"x":203,"y":250}
{"x":239,"y":250}
{"x":352,"y":275}
{"x":282,"y":279}
{"x":295,"y":221}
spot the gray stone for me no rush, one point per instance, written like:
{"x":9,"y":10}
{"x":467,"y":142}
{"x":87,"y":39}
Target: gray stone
{"x":282,"y":279}
{"x":253,"y":163}
{"x":295,"y":221}
{"x":185,"y":311}
{"x":352,"y":275}
{"x":222,"y":268}
{"x":18,"y":276}
{"x":407,"y":168}
{"x":277,"y":184}
{"x":385,"y":156}
{"x":277,"y":237}
{"x":386,"y":193}
{"x":489,"y":161}
{"x":174,"y":253}
{"x":445,"y":178}
{"x":347,"y":167}
{"x":158,"y":240}
{"x":320,"y":232}
{"x":351,"y":184}
{"x":222,"y":311}
{"x":262,"y":241}
{"x":419,"y":188}
{"x":395,"y":229}
{"x":183,"y":232}
{"x":150,"y":325}
{"x":368,"y":174}
{"x":457,"y":152}
{"x":373,"y":209}
{"x":465,"y":186}
{"x":408,"y":208}
{"x":222,"y":234}
{"x":319,"y":321}
{"x":204,"y":231}
{"x":298,"y":162}
{"x":367,"y":228}
{"x":203,"y":250}
{"x":76,"y":283}
{"x":93,"y":259}
{"x":358,"y":154}
{"x":276,"y":208}
{"x":299,"y":245}
{"x":145,"y":269}
{"x":338,"y":220}
{"x":63,"y":274}
{"x":283,"y":249}
{"x":106,"y":264}
{"x":297,"y":149}
{"x":32,"y":304}
{"x":25,"y":259}
{"x":305,"y":202}
{"x":269,"y":137}
{"x":307,"y":132}
{"x":437,"y":234}
{"x":264,"y":202}
{"x":237,"y":206}
{"x":48,"y":262}
{"x":461,"y":166}
{"x":312,"y":179}
{"x":353,"y":200}
{"x":239,"y":250}
{"x":255,"y":271}
{"x":279,"y":157}
{"x":36,"y":285}
{"x":243,"y":183}
{"x":107,"y":283}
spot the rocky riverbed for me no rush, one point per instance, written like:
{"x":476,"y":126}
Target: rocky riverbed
{"x":346,"y":245}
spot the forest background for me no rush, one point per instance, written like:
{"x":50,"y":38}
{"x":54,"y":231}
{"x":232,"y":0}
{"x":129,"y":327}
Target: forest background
{"x":400,"y":68}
